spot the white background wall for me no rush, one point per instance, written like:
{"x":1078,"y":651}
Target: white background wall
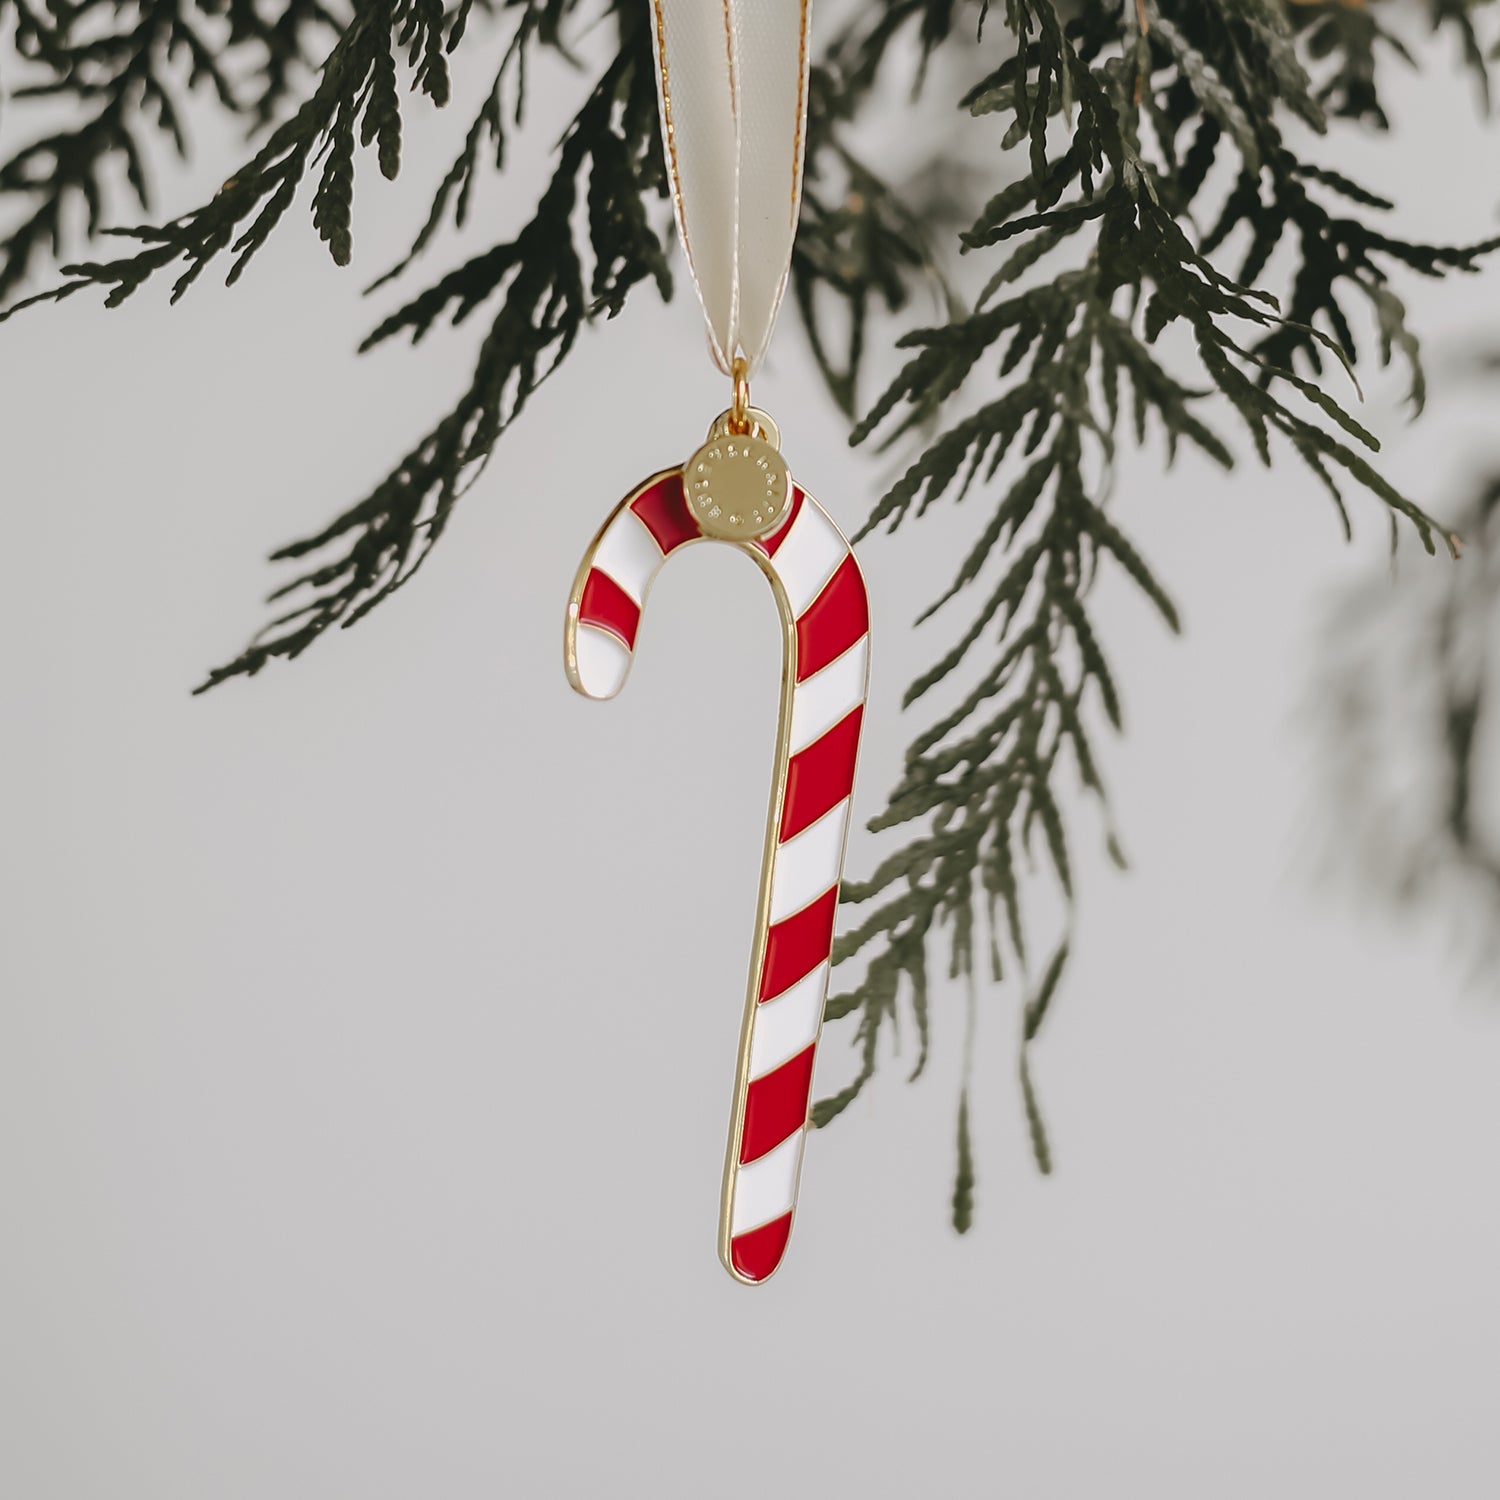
{"x":367,"y":1029}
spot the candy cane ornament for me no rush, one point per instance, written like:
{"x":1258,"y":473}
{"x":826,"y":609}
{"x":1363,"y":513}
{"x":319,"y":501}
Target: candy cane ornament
{"x":732,"y":84}
{"x":736,"y":490}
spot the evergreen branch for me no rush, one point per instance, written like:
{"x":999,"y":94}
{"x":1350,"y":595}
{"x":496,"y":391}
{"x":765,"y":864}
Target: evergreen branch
{"x":540,"y":21}
{"x":1337,"y":253}
{"x":610,"y":158}
{"x":1149,"y":108}
{"x":1344,"y":44}
{"x":118,"y":66}
{"x":356,"y":97}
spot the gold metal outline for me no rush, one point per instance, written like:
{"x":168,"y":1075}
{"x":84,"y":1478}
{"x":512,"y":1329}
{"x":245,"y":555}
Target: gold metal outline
{"x":770,"y":843}
{"x":581,"y":577}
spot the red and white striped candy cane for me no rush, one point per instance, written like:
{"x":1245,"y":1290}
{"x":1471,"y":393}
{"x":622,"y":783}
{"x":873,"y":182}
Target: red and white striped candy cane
{"x":826,"y":633}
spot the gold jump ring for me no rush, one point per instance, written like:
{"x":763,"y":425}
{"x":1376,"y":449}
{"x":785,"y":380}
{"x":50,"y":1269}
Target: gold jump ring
{"x":739,"y":409}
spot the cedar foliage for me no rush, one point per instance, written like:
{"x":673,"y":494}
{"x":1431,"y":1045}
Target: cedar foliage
{"x":1151,"y":159}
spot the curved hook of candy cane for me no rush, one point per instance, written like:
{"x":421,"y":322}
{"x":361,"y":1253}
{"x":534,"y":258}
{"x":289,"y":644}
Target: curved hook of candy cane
{"x":825,"y":616}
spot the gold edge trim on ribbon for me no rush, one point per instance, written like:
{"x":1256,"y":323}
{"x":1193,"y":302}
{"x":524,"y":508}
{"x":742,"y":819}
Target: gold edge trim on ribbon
{"x":734,"y":92}
{"x":799,"y":145}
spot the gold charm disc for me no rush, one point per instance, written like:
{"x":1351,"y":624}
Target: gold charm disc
{"x":737,"y":484}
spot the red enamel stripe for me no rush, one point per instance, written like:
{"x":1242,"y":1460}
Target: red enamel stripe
{"x":821,"y":775}
{"x":605,"y":604}
{"x":770,"y":545}
{"x":798,"y":944}
{"x":832,"y":623}
{"x":776,"y":1105}
{"x":758,"y":1252}
{"x":664,"y":509}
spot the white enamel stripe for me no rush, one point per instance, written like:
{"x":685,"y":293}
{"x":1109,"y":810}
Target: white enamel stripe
{"x":603,"y":661}
{"x":628,"y":553}
{"x":806,"y":866}
{"x":806,"y":560}
{"x":787,"y":1024}
{"x":766,"y":1188}
{"x":820,"y":702}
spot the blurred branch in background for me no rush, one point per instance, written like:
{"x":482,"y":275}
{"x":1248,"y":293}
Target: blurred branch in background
{"x":1407,"y":713}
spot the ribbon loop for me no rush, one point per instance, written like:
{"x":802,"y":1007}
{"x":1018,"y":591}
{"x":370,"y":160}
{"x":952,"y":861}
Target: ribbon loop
{"x":731,"y":79}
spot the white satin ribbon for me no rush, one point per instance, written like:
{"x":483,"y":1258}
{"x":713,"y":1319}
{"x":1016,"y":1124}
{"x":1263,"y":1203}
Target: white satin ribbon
{"x":731,"y":77}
